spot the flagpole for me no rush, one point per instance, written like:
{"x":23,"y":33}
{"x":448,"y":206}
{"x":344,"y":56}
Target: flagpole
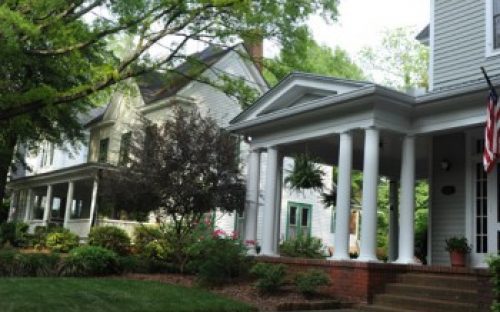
{"x":487,"y":78}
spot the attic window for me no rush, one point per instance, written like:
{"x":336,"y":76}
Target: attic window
{"x":492,"y":28}
{"x":496,"y":24}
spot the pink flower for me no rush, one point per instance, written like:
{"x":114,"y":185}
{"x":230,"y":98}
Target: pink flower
{"x":235,"y":235}
{"x":250,"y":242}
{"x":219,"y":233}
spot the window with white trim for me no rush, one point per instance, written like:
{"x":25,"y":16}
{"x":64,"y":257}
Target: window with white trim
{"x":492,"y":27}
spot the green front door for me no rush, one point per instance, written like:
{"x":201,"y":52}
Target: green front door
{"x":298,"y":220}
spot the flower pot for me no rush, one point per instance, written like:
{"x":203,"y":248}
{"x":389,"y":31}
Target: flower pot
{"x":457,"y":259}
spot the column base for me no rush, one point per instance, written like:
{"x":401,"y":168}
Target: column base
{"x":268,"y":254}
{"x":368,"y":259}
{"x":405,"y":261}
{"x":251,"y":251}
{"x":339,"y":258}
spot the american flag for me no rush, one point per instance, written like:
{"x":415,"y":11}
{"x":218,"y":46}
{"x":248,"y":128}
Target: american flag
{"x":491,"y":136}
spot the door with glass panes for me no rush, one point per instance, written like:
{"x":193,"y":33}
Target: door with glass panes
{"x":298,"y":220}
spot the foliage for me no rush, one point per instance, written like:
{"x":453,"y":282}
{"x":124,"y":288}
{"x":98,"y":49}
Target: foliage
{"x":13,"y":263}
{"x":305,"y":174}
{"x":182,"y":170}
{"x":219,"y":258}
{"x":308,"y":282}
{"x":400,"y":59}
{"x":494,"y":267}
{"x":141,"y":264}
{"x":90,"y":261}
{"x":109,"y":294}
{"x":148,"y":242}
{"x":303,"y":246}
{"x":110,"y":237}
{"x":62,"y":240}
{"x":421,"y":220}
{"x":304,"y":54}
{"x":13,"y":234}
{"x":458,"y":244}
{"x":270,"y":277}
{"x":4,"y":211}
{"x":59,"y":53}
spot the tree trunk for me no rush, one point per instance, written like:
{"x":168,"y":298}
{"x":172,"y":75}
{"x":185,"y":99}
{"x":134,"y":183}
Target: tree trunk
{"x":6,"y":157}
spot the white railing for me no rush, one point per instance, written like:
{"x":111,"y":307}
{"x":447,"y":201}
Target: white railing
{"x":80,"y":227}
{"x":127,"y":226}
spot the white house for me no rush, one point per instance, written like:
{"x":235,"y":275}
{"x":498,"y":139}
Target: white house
{"x":62,"y":184}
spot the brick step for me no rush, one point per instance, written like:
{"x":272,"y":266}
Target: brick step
{"x":422,"y":304}
{"x":381,"y":308}
{"x":439,"y":293}
{"x":443,"y":281}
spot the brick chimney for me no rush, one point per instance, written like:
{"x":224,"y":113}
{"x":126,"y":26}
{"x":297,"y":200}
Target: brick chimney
{"x":254,"y":43}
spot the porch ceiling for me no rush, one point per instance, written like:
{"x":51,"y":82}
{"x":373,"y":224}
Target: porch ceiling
{"x":326,"y":149}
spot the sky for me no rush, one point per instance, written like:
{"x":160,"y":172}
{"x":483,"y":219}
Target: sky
{"x":362,"y":23}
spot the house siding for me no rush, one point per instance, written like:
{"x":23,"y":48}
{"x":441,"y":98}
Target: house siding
{"x":447,"y":211}
{"x":460,"y":43}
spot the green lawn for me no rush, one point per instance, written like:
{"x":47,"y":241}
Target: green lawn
{"x":99,"y":295}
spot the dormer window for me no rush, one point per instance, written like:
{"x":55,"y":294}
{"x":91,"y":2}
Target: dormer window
{"x":492,"y":27}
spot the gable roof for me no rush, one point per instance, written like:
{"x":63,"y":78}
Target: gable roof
{"x":423,"y":35}
{"x":299,"y":88}
{"x":153,"y":86}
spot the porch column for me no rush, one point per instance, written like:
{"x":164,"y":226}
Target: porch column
{"x":407,"y":204}
{"x":369,"y":202}
{"x":93,"y":203}
{"x":48,"y":205}
{"x":393,"y":220}
{"x":269,"y":214}
{"x":29,"y":200}
{"x":69,"y":203}
{"x":277,"y":205}
{"x":12,"y":206}
{"x":343,"y":209}
{"x":252,"y":199}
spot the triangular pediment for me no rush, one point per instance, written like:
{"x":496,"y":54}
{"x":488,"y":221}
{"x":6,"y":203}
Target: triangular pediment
{"x":298,"y":89}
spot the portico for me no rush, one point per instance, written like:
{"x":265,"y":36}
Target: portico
{"x":307,"y":114}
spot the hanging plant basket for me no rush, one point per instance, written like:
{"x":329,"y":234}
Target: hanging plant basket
{"x":305,"y":175}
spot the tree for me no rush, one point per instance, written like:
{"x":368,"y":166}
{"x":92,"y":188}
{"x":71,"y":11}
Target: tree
{"x":400,"y":61}
{"x":182,"y":169}
{"x":306,"y":55}
{"x":55,"y":53}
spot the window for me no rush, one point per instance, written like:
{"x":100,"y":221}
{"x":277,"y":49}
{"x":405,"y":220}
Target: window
{"x":125,"y":148}
{"x":333,"y":220}
{"x":47,"y":154}
{"x":239,"y":224}
{"x":103,"y":150}
{"x":299,"y":220}
{"x":492,"y":27}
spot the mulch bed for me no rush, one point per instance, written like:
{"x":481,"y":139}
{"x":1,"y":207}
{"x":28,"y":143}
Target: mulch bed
{"x":243,"y":291}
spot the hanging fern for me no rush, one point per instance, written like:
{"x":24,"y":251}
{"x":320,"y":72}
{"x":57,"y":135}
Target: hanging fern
{"x":306,"y":174}
{"x":329,"y":199}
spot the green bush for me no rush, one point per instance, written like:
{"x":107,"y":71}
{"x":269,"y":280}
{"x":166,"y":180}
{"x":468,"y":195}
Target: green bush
{"x":4,"y":211}
{"x":302,"y":247}
{"x":270,"y":277}
{"x":13,"y":263}
{"x":14,"y":234}
{"x":111,"y":238}
{"x":62,"y":241}
{"x":139,"y":264}
{"x":218,"y":260}
{"x":494,"y":265}
{"x":149,"y":242}
{"x":308,"y":282}
{"x":90,"y":261}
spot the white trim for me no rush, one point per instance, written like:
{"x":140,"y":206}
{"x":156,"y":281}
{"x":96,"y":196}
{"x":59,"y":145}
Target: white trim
{"x":429,"y":207}
{"x":489,"y":49}
{"x":468,"y":185}
{"x":431,"y":48}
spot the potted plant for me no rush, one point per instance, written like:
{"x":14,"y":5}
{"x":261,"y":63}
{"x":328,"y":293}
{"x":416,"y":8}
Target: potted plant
{"x":458,"y":249}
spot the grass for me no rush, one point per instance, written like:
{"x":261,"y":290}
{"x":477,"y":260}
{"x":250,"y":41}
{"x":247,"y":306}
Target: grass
{"x":99,"y":295}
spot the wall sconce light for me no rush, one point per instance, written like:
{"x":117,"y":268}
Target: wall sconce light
{"x":445,"y":165}
{"x":247,"y":139}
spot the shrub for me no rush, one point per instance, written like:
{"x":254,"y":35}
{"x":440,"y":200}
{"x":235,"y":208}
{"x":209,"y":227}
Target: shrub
{"x":218,"y":258}
{"x":13,"y":233}
{"x":13,"y":263}
{"x":144,"y":236}
{"x":90,"y":261}
{"x":494,"y":265}
{"x":308,"y":282}
{"x":111,"y":238}
{"x":270,"y":276}
{"x":302,"y":247}
{"x":62,"y":241}
{"x":458,"y":244}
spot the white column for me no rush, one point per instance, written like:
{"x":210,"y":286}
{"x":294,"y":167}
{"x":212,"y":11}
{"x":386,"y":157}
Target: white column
{"x":93,"y":203}
{"x":29,"y":200}
{"x":393,"y":220}
{"x":12,"y":206}
{"x":343,"y":209}
{"x":252,"y":199}
{"x":269,"y":203}
{"x":407,"y":204}
{"x":369,"y":203}
{"x":277,"y":205}
{"x":69,"y":203}
{"x":48,"y":205}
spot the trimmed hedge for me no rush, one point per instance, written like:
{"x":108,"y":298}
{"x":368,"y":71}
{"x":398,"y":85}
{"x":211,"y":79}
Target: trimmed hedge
{"x":90,"y":261}
{"x":13,"y":263}
{"x":110,"y":237}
